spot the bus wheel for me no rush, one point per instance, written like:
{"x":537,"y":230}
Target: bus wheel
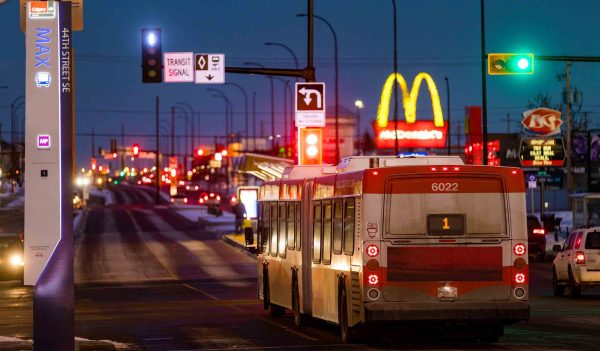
{"x":277,"y":311}
{"x":266,"y":292}
{"x":296,"y":305}
{"x":558,"y":290}
{"x":348,"y":333}
{"x":574,"y":289}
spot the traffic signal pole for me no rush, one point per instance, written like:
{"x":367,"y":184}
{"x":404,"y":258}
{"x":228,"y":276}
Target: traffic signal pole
{"x":157,"y":103}
{"x":483,"y":87}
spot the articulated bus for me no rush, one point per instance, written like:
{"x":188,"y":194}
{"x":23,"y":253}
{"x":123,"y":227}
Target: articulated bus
{"x":426,"y":240}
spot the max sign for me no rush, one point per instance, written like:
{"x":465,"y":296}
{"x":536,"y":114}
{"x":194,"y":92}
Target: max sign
{"x":542,"y":121}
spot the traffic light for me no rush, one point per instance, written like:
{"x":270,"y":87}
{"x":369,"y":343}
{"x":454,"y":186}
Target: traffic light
{"x":311,"y":146}
{"x":200,"y":152}
{"x":510,"y":64}
{"x":151,"y":55}
{"x":136,"y":150}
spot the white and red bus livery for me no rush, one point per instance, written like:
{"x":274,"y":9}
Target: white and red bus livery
{"x":377,"y":239}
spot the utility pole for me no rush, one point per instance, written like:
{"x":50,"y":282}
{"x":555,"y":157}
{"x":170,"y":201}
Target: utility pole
{"x":508,"y":120}
{"x":157,"y":160}
{"x":93,"y":144}
{"x":123,"y":146}
{"x":568,"y":133}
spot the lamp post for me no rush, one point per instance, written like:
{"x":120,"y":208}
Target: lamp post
{"x":254,"y":120}
{"x":286,"y":89}
{"x":335,"y":58}
{"x":272,"y":103}
{"x":359,"y":106}
{"x":396,"y":149}
{"x":187,"y":121}
{"x":14,"y":106}
{"x":448,"y":112}
{"x":245,"y":110}
{"x":193,"y":132}
{"x":228,"y":110}
{"x":292,"y":127}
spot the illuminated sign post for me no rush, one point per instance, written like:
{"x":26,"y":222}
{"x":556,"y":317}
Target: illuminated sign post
{"x":542,"y":152}
{"x":48,"y":243}
{"x":410,"y":133}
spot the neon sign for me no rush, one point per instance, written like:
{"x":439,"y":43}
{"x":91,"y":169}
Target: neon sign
{"x":410,"y":133}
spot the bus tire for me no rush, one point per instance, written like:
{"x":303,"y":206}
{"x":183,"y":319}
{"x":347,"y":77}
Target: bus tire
{"x":557,"y":289}
{"x":348,"y":333}
{"x":491,"y":334}
{"x":574,"y":288}
{"x":276,"y":310}
{"x":266,"y":292}
{"x":298,"y":318}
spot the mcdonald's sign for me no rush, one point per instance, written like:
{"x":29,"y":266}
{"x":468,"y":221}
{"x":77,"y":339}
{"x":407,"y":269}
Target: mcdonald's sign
{"x":410,"y":133}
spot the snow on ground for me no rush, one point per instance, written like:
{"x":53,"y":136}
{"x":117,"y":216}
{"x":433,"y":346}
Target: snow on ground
{"x":224,"y":223}
{"x":18,"y":202}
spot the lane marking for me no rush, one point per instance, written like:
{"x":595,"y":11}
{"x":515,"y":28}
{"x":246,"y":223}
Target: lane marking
{"x":200,"y":291}
{"x":300,"y":334}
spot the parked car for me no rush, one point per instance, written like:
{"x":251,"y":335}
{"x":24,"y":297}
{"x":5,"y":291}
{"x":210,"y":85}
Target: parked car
{"x":11,"y":256}
{"x":577,"y":263}
{"x":536,"y":237}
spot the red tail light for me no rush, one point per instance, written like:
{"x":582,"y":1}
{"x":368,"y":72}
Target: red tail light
{"x":373,"y":279}
{"x":520,"y":278}
{"x":520,"y":249}
{"x":539,"y":231}
{"x":185,"y":200}
{"x":580,"y":257}
{"x":372,"y":250}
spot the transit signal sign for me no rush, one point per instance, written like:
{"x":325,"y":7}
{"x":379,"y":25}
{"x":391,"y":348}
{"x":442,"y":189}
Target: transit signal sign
{"x":179,"y":67}
{"x":310,"y":104}
{"x":499,"y":64}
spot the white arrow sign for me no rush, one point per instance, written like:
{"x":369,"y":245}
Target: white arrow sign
{"x":310,"y":104}
{"x":308,"y":92}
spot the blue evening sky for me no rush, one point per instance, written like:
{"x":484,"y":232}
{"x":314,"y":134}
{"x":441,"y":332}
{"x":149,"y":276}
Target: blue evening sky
{"x":441,"y":37}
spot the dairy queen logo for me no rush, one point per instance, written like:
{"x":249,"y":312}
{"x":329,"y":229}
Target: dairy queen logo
{"x":542,"y":121}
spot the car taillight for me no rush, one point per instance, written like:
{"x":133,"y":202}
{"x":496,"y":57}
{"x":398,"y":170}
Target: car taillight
{"x":201,"y":200}
{"x":520,"y":249}
{"x":372,"y":250}
{"x":520,"y":278}
{"x":172,"y":201}
{"x":373,"y":279}
{"x":185,"y":200}
{"x":218,"y":197}
{"x":539,"y":231}
{"x":580,"y":258}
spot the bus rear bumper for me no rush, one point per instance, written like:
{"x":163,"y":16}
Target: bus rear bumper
{"x":505,"y":311}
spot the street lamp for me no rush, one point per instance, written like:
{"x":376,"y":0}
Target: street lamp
{"x":359,"y":106}
{"x":245,"y":110}
{"x":286,"y":89}
{"x":448,"y":112}
{"x":187,"y":121}
{"x":185,"y":104}
{"x":335,"y":57}
{"x":228,"y":112}
{"x":292,"y":128}
{"x":272,"y":102}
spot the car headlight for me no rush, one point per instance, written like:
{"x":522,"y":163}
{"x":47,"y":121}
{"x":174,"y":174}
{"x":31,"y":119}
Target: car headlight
{"x":16,"y":260}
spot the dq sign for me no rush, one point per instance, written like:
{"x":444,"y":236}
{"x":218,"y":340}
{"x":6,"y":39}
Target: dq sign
{"x":542,"y":121}
{"x":410,"y":134}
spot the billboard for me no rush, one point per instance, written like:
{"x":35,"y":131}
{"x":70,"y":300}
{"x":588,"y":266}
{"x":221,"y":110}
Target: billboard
{"x":410,"y":134}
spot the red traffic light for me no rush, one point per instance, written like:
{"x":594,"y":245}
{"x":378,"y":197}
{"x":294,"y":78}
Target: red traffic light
{"x":136,"y":150}
{"x":200,"y":152}
{"x":311,"y":146}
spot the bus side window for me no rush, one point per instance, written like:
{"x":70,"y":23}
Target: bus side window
{"x":266,"y":226}
{"x":291,"y":227}
{"x":327,"y":226}
{"x":338,"y":227}
{"x":349,"y":227}
{"x":281,"y":239}
{"x":317,"y":224}
{"x":273,"y":245}
{"x":298,"y":233}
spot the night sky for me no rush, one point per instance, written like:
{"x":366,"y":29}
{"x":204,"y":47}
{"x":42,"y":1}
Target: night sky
{"x":439,"y":37}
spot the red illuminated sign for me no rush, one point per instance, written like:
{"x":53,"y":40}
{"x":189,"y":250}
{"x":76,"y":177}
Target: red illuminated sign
{"x":542,"y":121}
{"x":420,"y":134}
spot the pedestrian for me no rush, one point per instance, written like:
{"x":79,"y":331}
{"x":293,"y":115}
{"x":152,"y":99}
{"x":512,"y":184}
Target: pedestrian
{"x":239,"y":210}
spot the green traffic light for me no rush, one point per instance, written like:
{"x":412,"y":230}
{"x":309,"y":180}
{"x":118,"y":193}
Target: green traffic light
{"x":503,"y":64}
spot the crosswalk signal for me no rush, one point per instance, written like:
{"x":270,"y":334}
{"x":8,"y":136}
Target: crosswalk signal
{"x":311,"y":146}
{"x":510,"y":64}
{"x":136,"y":150}
{"x":152,"y":55}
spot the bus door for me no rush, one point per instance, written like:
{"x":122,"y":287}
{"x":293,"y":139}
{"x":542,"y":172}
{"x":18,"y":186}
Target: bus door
{"x":306,"y":242}
{"x":446,"y":237}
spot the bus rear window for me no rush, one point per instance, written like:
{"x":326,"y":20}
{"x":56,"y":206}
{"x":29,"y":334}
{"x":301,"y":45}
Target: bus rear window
{"x":412,"y":203}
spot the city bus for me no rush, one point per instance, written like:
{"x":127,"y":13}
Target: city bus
{"x":383,"y":239}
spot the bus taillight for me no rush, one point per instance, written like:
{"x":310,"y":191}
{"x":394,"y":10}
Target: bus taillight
{"x":372,"y":250}
{"x":373,"y":279}
{"x":520,"y":278}
{"x":520,"y":249}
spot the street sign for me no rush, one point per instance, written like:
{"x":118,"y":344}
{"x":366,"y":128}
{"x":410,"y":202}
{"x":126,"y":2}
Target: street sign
{"x":179,"y":67}
{"x":310,"y":104}
{"x":542,"y":152}
{"x":210,"y":68}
